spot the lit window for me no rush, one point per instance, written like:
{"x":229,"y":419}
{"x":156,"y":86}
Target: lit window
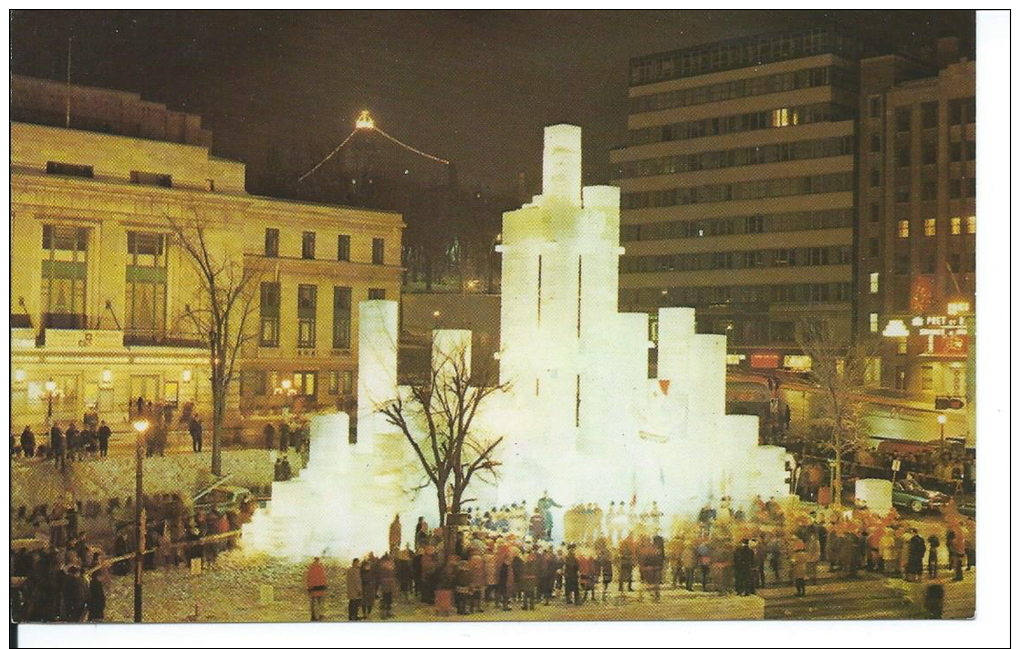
{"x":954,"y":225}
{"x":903,"y":230}
{"x":874,"y":283}
{"x":873,"y":321}
{"x":901,"y":347}
{"x":929,"y":227}
{"x":781,"y":117}
{"x":971,"y":224}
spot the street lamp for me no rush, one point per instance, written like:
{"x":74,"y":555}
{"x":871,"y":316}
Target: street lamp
{"x":942,"y":432}
{"x":51,"y":388}
{"x":141,"y":426}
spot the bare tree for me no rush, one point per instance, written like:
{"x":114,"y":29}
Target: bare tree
{"x":839,"y":368}
{"x":226,"y":292}
{"x":437,"y":421}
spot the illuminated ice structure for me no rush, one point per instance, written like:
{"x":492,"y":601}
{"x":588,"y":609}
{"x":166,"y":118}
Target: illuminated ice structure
{"x":581,"y":419}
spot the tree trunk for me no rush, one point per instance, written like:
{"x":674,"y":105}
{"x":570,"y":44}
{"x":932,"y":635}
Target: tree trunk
{"x":441,"y":496}
{"x":837,"y":481}
{"x":219,"y":409}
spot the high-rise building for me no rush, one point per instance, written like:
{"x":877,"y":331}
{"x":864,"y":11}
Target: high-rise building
{"x":917,"y":220}
{"x":102,"y":292}
{"x":738,"y":189}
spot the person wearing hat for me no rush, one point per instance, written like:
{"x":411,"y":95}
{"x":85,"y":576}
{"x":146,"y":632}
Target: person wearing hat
{"x":743,"y":567}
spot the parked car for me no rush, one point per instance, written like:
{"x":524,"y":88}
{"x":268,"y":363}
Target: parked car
{"x":908,"y":494}
{"x":223,"y":499}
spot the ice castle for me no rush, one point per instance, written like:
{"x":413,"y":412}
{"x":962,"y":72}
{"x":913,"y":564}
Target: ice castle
{"x":582,"y":419}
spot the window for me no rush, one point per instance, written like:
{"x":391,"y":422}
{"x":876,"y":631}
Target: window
{"x":902,"y":265}
{"x":269,"y":313}
{"x":876,"y":143}
{"x":901,"y":347}
{"x":903,"y":228}
{"x":928,"y":265}
{"x":875,"y":213}
{"x":954,"y":225}
{"x":971,"y":150}
{"x":347,"y":382}
{"x":971,"y":225}
{"x":929,"y":190}
{"x":272,"y":242}
{"x":971,"y":185}
{"x":954,"y":188}
{"x":875,"y":106}
{"x":902,"y":119}
{"x":929,"y":114}
{"x":148,"y":178}
{"x":378,"y":251}
{"x":333,"y":382}
{"x":304,"y":383}
{"x":955,"y":151}
{"x":873,"y":283}
{"x":929,"y":227}
{"x":876,"y":178}
{"x":308,"y":245}
{"x":926,"y":377}
{"x":902,"y":193}
{"x":873,"y":247}
{"x":377,"y":294}
{"x":343,"y":247}
{"x":253,"y":383}
{"x":954,"y":262}
{"x":145,"y":285}
{"x":64,"y":270}
{"x":63,"y":169}
{"x":873,"y":322}
{"x":903,"y":156}
{"x":901,"y":372}
{"x":341,"y":317}
{"x":929,"y":153}
{"x":306,"y":315}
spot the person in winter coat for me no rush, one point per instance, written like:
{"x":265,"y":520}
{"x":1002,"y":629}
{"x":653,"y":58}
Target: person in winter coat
{"x":369,"y":584}
{"x":798,"y":568}
{"x":269,"y":436}
{"x":743,"y":568}
{"x":387,"y":585}
{"x":887,"y":551}
{"x":28,"y":442}
{"x":395,"y":535}
{"x":315,"y":583}
{"x":915,"y":556}
{"x":933,"y":556}
{"x":354,"y":591}
{"x":813,"y":550}
{"x":97,"y":597}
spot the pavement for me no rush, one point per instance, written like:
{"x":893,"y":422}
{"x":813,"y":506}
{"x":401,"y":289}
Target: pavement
{"x":231,"y":590}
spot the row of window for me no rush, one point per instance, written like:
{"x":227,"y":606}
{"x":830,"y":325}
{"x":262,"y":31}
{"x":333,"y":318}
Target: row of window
{"x":741,"y":53}
{"x":955,"y":262}
{"x":709,"y":126}
{"x":770,"y":258}
{"x":958,"y":188}
{"x":343,"y":246}
{"x":764,"y":154}
{"x":761,"y":295}
{"x":956,"y":226}
{"x":136,"y":177}
{"x":929,"y":152}
{"x":260,"y":383}
{"x":782,"y":82}
{"x":960,"y":111}
{"x":307,"y":308}
{"x":752,"y":190}
{"x":753,"y":224}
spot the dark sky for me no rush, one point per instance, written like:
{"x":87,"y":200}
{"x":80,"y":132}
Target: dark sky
{"x":475,"y":87}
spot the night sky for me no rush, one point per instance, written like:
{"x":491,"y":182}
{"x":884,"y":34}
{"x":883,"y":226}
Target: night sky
{"x":475,"y":87}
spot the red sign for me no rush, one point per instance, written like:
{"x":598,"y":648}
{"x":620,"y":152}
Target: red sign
{"x":764,"y":361}
{"x":950,"y":345}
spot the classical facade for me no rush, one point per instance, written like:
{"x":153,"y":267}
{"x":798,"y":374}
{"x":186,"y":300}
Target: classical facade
{"x":917,"y":220}
{"x":101,"y":289}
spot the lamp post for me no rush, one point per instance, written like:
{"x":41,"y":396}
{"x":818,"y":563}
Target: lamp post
{"x":141,"y":426}
{"x":51,"y":388}
{"x":942,"y":433}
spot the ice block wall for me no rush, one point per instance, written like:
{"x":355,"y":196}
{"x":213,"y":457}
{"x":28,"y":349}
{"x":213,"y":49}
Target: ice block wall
{"x":377,"y":365}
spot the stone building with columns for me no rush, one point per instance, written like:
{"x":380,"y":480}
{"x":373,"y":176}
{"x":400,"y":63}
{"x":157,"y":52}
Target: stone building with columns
{"x":100,"y":289}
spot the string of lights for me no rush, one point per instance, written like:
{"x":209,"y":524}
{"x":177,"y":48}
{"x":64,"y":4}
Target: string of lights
{"x":366,"y":123}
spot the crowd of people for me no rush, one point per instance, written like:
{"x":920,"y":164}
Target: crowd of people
{"x":490,"y":565}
